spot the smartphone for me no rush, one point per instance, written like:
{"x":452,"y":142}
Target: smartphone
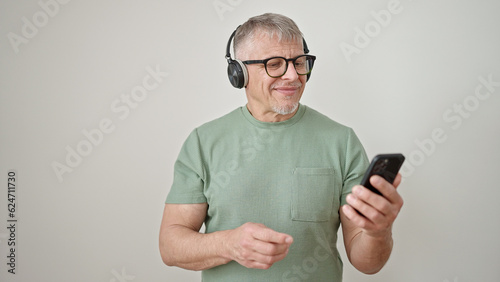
{"x":385,"y":165}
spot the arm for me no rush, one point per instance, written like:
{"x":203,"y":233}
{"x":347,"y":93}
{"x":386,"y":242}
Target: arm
{"x":368,"y":239}
{"x":251,"y":245}
{"x":180,"y":242}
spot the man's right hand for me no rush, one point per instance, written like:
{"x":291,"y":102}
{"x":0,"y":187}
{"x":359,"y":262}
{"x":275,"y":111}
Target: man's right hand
{"x":254,"y":245}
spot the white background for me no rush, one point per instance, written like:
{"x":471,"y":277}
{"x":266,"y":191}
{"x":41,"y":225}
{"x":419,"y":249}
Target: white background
{"x":100,"y":223}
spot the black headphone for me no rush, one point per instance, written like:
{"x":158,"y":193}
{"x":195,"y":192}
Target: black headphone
{"x":236,"y":69}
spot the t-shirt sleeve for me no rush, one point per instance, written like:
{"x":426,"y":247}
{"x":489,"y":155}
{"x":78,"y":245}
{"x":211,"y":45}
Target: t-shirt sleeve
{"x":356,"y":163}
{"x":189,"y":174}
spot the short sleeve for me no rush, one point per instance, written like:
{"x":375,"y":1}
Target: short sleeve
{"x":189,"y":174}
{"x":356,"y":163}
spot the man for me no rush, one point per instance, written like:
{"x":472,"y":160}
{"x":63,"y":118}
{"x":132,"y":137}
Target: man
{"x":272,"y":180}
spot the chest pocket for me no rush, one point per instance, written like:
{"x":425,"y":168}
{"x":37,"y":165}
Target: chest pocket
{"x":313,"y":194}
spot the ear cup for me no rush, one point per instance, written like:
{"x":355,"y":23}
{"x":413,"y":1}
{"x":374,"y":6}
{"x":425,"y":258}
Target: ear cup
{"x":237,"y":73}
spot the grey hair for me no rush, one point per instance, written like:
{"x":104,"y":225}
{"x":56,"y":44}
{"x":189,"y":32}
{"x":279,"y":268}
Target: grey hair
{"x":270,"y":24}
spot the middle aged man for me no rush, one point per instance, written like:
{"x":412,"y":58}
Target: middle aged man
{"x":273,"y":180}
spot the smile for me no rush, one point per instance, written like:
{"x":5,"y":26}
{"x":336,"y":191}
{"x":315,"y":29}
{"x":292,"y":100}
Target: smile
{"x":287,"y":90}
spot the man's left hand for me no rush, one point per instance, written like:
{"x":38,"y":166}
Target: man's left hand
{"x":378,"y":212}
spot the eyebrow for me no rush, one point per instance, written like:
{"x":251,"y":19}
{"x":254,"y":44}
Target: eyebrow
{"x":274,"y":56}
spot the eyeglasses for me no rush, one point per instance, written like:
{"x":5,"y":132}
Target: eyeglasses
{"x":277,"y":66}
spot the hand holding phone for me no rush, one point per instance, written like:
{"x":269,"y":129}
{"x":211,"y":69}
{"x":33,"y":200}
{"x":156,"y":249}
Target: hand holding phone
{"x":385,"y":165}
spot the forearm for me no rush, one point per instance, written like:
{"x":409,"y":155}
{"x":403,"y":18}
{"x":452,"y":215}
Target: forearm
{"x":369,"y":254}
{"x":186,"y":248}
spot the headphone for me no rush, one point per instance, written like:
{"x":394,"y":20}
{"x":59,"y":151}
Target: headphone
{"x":236,"y":69}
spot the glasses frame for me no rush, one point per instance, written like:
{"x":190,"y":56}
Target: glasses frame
{"x":251,"y":62}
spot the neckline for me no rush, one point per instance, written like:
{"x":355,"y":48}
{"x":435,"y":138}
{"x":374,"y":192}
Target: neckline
{"x":274,"y":125}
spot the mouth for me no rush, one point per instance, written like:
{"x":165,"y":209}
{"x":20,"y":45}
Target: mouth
{"x":287,"y":90}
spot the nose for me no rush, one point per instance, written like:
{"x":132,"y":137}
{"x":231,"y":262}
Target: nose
{"x":291,"y":73}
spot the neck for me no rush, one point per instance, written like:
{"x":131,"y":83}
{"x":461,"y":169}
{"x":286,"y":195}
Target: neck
{"x":269,"y":115}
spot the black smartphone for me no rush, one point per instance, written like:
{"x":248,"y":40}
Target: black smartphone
{"x":385,"y":165}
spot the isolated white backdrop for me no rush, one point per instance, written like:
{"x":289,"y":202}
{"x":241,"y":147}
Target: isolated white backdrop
{"x":409,"y":85}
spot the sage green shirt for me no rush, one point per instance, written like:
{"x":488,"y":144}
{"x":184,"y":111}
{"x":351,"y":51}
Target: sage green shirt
{"x":291,"y":176}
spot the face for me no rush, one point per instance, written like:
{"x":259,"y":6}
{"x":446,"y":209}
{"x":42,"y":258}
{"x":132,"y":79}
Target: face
{"x":273,"y":99}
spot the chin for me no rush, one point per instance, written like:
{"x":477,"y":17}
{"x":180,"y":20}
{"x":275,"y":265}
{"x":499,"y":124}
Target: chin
{"x":286,"y":108}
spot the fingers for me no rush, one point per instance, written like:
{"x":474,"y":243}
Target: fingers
{"x":378,"y":212}
{"x":258,"y":246}
{"x":370,"y":205}
{"x":266,"y":241}
{"x":397,"y":180}
{"x":387,"y":189}
{"x":254,"y":259}
{"x":266,"y":234}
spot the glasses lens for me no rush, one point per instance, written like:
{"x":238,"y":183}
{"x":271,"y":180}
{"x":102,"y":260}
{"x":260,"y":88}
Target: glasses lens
{"x":276,"y":67}
{"x":303,"y":64}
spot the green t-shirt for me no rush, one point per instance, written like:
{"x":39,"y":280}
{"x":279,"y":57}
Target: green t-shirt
{"x":291,"y":176}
